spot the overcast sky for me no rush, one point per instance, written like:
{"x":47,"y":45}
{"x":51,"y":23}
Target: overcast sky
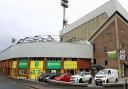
{"x":22,"y":18}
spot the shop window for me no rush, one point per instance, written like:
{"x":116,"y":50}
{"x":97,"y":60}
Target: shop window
{"x":73,"y":59}
{"x":53,"y":59}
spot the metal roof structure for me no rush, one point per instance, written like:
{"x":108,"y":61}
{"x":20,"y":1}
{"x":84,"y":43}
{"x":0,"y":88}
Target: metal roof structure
{"x":43,"y":38}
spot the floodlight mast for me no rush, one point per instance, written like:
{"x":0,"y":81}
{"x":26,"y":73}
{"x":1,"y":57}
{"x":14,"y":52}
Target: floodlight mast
{"x":64,"y":3}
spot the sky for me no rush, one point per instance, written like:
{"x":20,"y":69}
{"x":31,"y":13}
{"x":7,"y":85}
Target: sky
{"x":23,"y":18}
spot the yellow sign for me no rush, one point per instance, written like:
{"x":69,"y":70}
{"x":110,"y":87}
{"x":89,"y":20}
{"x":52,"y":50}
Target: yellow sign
{"x":36,"y":64}
{"x":14,"y":64}
{"x":70,"y":64}
{"x":36,"y":69}
{"x":34,"y":73}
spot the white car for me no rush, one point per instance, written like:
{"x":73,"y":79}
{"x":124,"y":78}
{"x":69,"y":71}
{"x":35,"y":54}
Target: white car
{"x":106,"y":76}
{"x":81,"y":78}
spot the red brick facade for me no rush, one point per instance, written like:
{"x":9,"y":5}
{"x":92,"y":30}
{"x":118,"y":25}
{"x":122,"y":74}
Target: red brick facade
{"x":111,"y":37}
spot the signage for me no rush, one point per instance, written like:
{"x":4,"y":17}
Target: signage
{"x":23,"y":63}
{"x":112,"y":55}
{"x":53,"y":65}
{"x":14,"y":64}
{"x":122,"y":55}
{"x":36,"y":64}
{"x":70,"y":64}
{"x":34,"y":73}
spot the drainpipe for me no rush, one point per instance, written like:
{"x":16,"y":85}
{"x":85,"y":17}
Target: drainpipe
{"x":118,"y":47}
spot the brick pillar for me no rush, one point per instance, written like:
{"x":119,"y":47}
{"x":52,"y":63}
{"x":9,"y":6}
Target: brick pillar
{"x":10,"y":66}
{"x":28,"y":69}
{"x":17,"y":69}
{"x":62,"y":65}
{"x":77,"y":60}
{"x":44,"y":65}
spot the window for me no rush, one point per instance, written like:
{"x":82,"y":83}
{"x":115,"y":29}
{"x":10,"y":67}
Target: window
{"x":106,"y":62}
{"x":105,"y":49}
{"x":94,"y":60}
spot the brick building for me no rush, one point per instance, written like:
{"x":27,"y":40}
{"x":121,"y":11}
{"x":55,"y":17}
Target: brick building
{"x":107,"y":29}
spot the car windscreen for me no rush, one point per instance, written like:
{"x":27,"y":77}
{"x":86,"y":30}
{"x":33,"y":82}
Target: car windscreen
{"x":102,"y":72}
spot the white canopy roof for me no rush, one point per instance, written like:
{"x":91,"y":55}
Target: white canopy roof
{"x":47,"y":49}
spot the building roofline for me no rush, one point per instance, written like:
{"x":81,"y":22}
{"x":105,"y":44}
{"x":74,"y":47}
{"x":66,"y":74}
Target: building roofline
{"x":107,"y":22}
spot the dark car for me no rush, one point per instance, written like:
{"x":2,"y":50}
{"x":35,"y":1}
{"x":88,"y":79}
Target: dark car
{"x":52,"y":76}
{"x":42,"y":77}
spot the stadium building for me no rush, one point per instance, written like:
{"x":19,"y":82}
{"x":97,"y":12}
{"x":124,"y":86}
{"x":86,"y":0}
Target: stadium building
{"x":33,"y":56}
{"x":106,"y":28}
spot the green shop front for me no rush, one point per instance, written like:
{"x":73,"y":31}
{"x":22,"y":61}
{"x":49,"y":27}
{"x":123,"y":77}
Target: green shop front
{"x":53,"y":66}
{"x":22,"y":67}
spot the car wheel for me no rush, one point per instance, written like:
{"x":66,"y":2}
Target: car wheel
{"x":96,"y":83}
{"x":80,"y":81}
{"x":116,"y":80}
{"x":45,"y":81}
{"x":90,"y":81}
{"x":41,"y":80}
{"x":107,"y":81}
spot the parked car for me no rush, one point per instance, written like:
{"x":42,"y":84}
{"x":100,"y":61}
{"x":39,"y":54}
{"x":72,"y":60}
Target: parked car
{"x":41,"y":77}
{"x":82,"y":77}
{"x":106,"y":76}
{"x":63,"y":77}
{"x":52,"y":76}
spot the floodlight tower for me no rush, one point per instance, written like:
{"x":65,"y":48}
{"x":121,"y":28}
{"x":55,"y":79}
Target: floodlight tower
{"x":64,"y":3}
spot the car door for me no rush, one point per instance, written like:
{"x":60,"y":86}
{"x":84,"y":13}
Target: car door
{"x":110,"y":76}
{"x":87,"y":77}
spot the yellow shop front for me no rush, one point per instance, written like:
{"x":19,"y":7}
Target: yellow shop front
{"x":70,"y":67}
{"x":13,"y":69}
{"x":36,"y":69}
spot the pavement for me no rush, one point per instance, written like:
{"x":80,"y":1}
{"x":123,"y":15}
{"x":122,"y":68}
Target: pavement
{"x":6,"y":83}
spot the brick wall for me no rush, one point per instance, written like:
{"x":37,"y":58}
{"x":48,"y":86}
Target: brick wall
{"x":106,"y":41}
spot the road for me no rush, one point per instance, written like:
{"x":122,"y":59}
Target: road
{"x":5,"y":83}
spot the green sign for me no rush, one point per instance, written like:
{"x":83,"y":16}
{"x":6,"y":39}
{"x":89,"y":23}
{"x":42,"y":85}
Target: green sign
{"x":33,"y":72}
{"x":112,"y":55}
{"x":36,"y":64}
{"x":53,"y":65}
{"x":23,"y":63}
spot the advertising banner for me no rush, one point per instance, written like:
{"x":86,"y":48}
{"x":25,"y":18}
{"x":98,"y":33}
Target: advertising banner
{"x":14,"y":63}
{"x":23,"y":63}
{"x":70,"y":64}
{"x":36,"y":64}
{"x":34,"y":73}
{"x":53,"y":65}
{"x":112,"y":55}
